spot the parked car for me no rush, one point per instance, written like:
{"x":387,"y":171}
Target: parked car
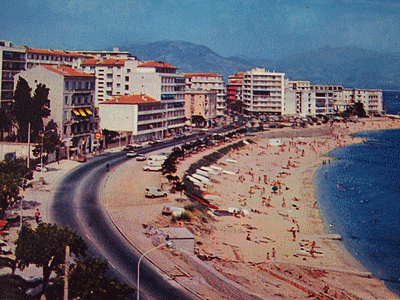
{"x":140,"y":157}
{"x":41,"y":167}
{"x":154,"y":142}
{"x":152,"y":168}
{"x":131,"y":154}
{"x":137,"y":146}
{"x":82,"y":158}
{"x":152,"y":192}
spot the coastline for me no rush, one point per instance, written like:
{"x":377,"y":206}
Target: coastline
{"x":222,"y":240}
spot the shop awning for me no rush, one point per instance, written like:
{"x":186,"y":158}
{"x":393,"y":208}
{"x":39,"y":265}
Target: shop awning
{"x":76,"y":112}
{"x":82,"y":113}
{"x":88,"y":111}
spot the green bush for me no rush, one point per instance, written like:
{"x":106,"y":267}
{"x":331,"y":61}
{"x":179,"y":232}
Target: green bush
{"x":189,"y":207}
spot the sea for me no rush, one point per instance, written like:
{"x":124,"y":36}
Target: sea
{"x":359,"y":196}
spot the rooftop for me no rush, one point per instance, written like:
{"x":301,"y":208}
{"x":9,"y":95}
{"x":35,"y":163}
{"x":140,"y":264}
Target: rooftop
{"x":131,"y":99}
{"x":104,"y":62}
{"x":66,"y":71}
{"x":53,"y":52}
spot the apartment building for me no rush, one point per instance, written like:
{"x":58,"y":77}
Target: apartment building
{"x":112,"y":75}
{"x":234,"y":87}
{"x":371,"y":98}
{"x":161,"y":81}
{"x":71,"y":103}
{"x":209,"y":82}
{"x":263,"y":92}
{"x":201,"y":107}
{"x":139,"y":117}
{"x":297,"y":100}
{"x":12,"y":61}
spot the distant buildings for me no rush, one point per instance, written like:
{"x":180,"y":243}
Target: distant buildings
{"x":303,"y":98}
{"x":71,"y":102}
{"x":116,"y":74}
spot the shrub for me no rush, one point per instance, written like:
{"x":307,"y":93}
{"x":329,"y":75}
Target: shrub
{"x":189,"y":207}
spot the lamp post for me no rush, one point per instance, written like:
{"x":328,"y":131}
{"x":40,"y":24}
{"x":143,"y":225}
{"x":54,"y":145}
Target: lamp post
{"x":169,"y":244}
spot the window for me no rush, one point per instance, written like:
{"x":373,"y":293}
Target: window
{"x":126,"y":78}
{"x":66,"y":100}
{"x":126,"y":87}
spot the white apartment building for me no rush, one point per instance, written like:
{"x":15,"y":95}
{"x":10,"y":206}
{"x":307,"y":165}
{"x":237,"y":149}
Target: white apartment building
{"x":209,"y":82}
{"x":71,"y":97}
{"x":112,"y":75}
{"x":138,"y":117}
{"x":161,"y":81}
{"x":304,"y":99}
{"x":263,"y":92}
{"x":297,"y":100}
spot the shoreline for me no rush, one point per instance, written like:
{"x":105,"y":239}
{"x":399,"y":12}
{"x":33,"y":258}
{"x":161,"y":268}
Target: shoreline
{"x":343,"y":259}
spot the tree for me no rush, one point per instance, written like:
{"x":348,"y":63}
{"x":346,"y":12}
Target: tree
{"x":50,"y":144}
{"x":28,"y":109}
{"x":13,"y":176}
{"x":88,"y":280}
{"x":109,"y":136}
{"x":5,"y":122}
{"x":44,"y":247}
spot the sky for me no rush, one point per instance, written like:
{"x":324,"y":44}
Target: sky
{"x":268,"y":29}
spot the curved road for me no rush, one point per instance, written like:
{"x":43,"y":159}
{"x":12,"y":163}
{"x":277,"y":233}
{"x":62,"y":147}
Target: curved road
{"x":77,"y":204}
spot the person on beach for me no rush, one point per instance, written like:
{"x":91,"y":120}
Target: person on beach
{"x":273,"y":252}
{"x":37,"y":216}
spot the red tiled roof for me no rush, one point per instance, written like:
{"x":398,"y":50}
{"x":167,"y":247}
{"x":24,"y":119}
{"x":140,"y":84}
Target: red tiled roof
{"x":190,"y":75}
{"x":131,"y":99}
{"x":104,"y":62}
{"x":54,"y":52}
{"x":156,"y":64}
{"x":66,"y":71}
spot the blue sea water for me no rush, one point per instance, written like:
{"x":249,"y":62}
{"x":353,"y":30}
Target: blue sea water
{"x":359,"y":195}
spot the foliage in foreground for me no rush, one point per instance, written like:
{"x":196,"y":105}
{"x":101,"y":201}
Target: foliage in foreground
{"x":44,"y":247}
{"x":13,"y":174}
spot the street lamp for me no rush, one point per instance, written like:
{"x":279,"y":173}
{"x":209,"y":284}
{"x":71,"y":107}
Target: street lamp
{"x":167,"y":243}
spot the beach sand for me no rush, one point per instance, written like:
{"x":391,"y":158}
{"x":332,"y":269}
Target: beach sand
{"x":277,"y":246}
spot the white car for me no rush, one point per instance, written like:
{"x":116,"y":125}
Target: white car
{"x":152,"y":192}
{"x":152,"y":168}
{"x":41,"y":167}
{"x":131,"y":153}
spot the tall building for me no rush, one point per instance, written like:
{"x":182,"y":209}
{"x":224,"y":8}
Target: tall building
{"x":234,"y":88}
{"x":209,"y":82}
{"x":112,"y":75}
{"x":12,"y":61}
{"x":263,"y":92}
{"x":297,"y":98}
{"x":138,"y":117}
{"x":71,"y":95}
{"x":161,"y":81}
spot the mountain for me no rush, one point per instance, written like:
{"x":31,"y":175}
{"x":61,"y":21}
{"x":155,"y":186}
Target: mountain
{"x":189,"y":57}
{"x":347,"y":66}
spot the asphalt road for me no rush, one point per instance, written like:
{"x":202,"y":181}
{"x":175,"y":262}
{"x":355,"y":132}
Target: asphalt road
{"x":77,"y":204}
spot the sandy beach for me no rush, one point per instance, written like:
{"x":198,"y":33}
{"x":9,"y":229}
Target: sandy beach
{"x":276,"y":245}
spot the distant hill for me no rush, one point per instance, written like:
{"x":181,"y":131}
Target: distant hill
{"x":348,"y":66}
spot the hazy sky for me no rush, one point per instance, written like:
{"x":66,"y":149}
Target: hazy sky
{"x":258,"y":28}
